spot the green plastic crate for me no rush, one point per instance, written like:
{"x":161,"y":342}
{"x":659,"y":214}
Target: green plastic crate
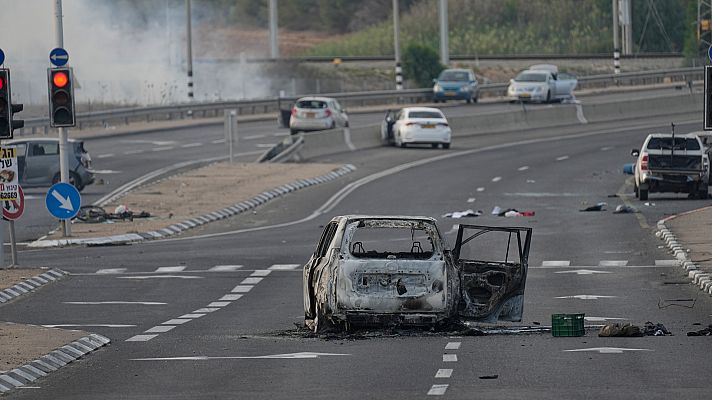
{"x":567,"y":325}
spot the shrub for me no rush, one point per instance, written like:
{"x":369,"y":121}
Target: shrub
{"x":421,"y":64}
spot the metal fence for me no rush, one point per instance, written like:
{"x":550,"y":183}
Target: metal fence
{"x":352,"y":99}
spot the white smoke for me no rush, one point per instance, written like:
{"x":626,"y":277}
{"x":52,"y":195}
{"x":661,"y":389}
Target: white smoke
{"x":116,"y":61}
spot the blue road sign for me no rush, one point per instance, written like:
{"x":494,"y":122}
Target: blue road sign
{"x":2,"y":57}
{"x":709,"y":53}
{"x":58,"y":56}
{"x":63,"y":200}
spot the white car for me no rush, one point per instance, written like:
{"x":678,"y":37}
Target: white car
{"x":416,"y":125}
{"x":542,"y":83}
{"x":317,"y":113}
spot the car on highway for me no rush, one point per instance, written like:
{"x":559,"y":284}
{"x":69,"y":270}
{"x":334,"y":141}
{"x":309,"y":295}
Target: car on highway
{"x":671,"y":163}
{"x":372,"y":270}
{"x":542,"y":83}
{"x":416,"y":125}
{"x":317,"y":113}
{"x":38,"y":162}
{"x":456,"y":84}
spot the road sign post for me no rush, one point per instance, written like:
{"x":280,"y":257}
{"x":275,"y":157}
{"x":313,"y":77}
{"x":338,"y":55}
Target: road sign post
{"x":708,"y":99}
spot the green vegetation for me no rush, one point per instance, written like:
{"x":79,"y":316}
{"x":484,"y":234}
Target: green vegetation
{"x":421,"y":64}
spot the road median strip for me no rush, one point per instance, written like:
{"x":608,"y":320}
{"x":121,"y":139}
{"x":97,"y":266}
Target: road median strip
{"x":29,"y":285}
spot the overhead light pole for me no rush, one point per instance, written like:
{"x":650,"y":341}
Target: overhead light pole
{"x":396,"y":46}
{"x":273,"y":26}
{"x":444,"y":51}
{"x":189,"y":51}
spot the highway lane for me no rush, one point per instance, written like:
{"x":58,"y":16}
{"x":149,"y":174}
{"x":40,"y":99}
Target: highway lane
{"x":567,"y":174}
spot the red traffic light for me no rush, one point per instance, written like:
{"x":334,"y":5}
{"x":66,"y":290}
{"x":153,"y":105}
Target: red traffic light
{"x":2,"y":83}
{"x":60,"y":79}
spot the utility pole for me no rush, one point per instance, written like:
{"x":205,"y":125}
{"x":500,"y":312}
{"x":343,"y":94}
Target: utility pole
{"x":63,"y":159}
{"x":189,"y":42}
{"x":396,"y":46}
{"x":444,"y":51}
{"x":273,"y":41}
{"x":626,"y":22}
{"x":616,"y":39}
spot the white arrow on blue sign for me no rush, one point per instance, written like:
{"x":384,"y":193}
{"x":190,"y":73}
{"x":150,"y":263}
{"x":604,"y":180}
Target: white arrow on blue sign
{"x":63,"y":200}
{"x":58,"y":56}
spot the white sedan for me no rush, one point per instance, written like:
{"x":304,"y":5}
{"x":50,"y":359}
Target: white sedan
{"x":416,"y":125}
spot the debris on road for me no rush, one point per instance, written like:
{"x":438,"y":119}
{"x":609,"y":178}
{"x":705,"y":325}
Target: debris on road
{"x":651,"y":329}
{"x":598,"y":207}
{"x":96,"y":214}
{"x":625,"y":209}
{"x":620,"y":330}
{"x":702,"y":332}
{"x":511,"y":212}
{"x":489,"y":376}
{"x":462,"y":214}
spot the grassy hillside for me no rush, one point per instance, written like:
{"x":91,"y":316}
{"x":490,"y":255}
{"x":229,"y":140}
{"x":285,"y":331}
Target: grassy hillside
{"x":522,"y":26}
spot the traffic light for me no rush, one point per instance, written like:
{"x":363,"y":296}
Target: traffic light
{"x":61,"y":97}
{"x":7,"y":109}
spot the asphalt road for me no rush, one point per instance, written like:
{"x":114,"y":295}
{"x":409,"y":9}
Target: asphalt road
{"x":237,"y":286}
{"x":122,"y":159}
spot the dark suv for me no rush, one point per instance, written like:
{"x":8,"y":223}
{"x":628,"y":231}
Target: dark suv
{"x":38,"y":162}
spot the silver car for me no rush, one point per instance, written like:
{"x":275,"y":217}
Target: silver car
{"x":38,"y":162}
{"x":542,"y":83}
{"x":317,"y":113}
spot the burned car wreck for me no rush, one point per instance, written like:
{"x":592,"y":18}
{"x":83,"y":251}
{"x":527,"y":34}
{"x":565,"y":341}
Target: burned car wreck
{"x":371,"y":271}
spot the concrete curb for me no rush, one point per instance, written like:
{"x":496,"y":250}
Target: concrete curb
{"x":180,"y":227}
{"x":29,"y":285}
{"x":697,"y":277}
{"x":48,"y":363}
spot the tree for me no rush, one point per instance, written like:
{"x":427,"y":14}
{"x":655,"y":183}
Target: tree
{"x":421,"y":64}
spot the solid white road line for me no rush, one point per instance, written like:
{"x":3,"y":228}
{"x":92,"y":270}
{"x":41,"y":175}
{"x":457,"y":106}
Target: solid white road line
{"x":111,"y":271}
{"x":437,"y":390}
{"x":170,"y":269}
{"x":607,"y":350}
{"x":260,"y":272}
{"x":291,"y":356}
{"x":189,"y":145}
{"x":176,"y":321}
{"x":218,"y":304}
{"x":613,"y":263}
{"x":242,"y":288}
{"x":444,"y":373}
{"x":89,"y":326}
{"x":141,"y":338}
{"x":453,"y":345}
{"x":161,"y":277}
{"x":160,"y":329}
{"x":555,"y":263}
{"x":251,"y":281}
{"x":144,"y":303}
{"x":583,"y":272}
{"x":282,"y":267}
{"x":449,"y":357}
{"x":225,"y":268}
{"x":230,"y":297}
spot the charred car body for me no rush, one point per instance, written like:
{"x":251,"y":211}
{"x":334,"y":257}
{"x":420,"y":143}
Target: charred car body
{"x":398,"y":270}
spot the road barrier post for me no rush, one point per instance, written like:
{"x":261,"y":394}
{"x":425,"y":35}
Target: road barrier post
{"x":231,"y":131}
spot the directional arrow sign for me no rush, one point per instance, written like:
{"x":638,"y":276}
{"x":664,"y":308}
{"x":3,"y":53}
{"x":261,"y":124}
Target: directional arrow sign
{"x":583,"y":272}
{"x":2,"y":57}
{"x":63,"y":200}
{"x":58,"y":57}
{"x":607,"y":350}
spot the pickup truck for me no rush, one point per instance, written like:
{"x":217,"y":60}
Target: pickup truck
{"x":671,"y":163}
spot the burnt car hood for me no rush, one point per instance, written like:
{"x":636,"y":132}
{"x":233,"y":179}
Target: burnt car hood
{"x":492,"y":267}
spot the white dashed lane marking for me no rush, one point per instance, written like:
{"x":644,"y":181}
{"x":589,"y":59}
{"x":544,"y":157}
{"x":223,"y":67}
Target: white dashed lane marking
{"x":225,"y":268}
{"x":230,"y":297}
{"x":218,"y":141}
{"x":555,"y":263}
{"x":278,"y":267}
{"x":437,"y":390}
{"x":133,"y":152}
{"x":176,"y":321}
{"x":162,"y":277}
{"x":523,"y":168}
{"x":480,"y":189}
{"x":471,"y":200}
{"x":453,"y":346}
{"x":562,"y":158}
{"x":205,"y":310}
{"x":219,"y":304}
{"x":613,"y":263}
{"x":242,"y":288}
{"x":251,"y":281}
{"x":89,"y":326}
{"x":496,"y":179}
{"x":105,"y":155}
{"x":191,"y":316}
{"x":91,"y":303}
{"x":162,"y":148}
{"x":141,"y":338}
{"x":169,"y":269}
{"x":443,"y":373}
{"x":160,"y":329}
{"x":189,"y":145}
{"x":449,"y":357}
{"x":261,"y":272}
{"x":111,"y":271}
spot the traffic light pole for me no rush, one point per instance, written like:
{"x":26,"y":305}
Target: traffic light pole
{"x":63,"y":161}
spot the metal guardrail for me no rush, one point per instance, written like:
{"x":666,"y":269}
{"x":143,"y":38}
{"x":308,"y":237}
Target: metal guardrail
{"x":268,"y":105}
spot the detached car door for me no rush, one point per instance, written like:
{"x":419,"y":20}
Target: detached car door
{"x":565,"y":85}
{"x":492,"y":267}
